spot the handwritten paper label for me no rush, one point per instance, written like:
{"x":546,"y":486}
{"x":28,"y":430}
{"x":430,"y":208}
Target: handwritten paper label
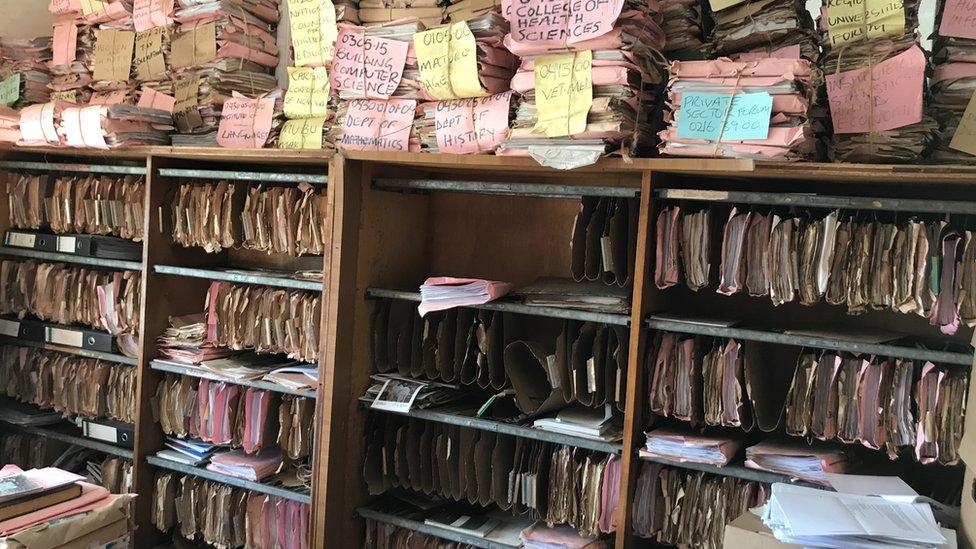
{"x":194,"y":47}
{"x":448,"y":61}
{"x":114,"y":97}
{"x":893,"y":86}
{"x":113,"y":55}
{"x":301,"y":134}
{"x":965,"y":137}
{"x":372,"y":125}
{"x":308,"y":93}
{"x":64,"y":7}
{"x":722,"y":4}
{"x":563,"y":92}
{"x":560,"y":22}
{"x":68,"y":96}
{"x":147,"y":14}
{"x":313,"y":31}
{"x":149,"y":61}
{"x":10,"y":89}
{"x":245,"y":123}
{"x":89,"y":7}
{"x":186,"y":115}
{"x":709,"y":116}
{"x":367,"y":67}
{"x":846,"y":20}
{"x":465,"y":126}
{"x":959,"y":19}
{"x":152,"y":99}
{"x":65,"y":43}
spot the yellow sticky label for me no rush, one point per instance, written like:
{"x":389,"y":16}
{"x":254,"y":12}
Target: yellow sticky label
{"x":301,"y":134}
{"x":448,"y":61}
{"x":563,"y":92}
{"x":308,"y":93}
{"x":89,"y":7}
{"x":313,"y":31}
{"x":846,"y":20}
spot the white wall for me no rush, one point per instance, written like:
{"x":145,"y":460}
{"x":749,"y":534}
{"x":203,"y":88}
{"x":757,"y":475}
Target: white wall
{"x":25,"y":18}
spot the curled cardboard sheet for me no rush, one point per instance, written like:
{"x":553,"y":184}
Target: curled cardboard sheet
{"x":525,"y":364}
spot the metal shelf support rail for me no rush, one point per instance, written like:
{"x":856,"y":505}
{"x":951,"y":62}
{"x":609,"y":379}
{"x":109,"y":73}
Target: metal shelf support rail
{"x":897,"y":351}
{"x":508,"y":429}
{"x":418,"y":526}
{"x":82,"y":168}
{"x":506,"y":189}
{"x":508,"y":307}
{"x":203,"y":374}
{"x":736,"y":471}
{"x":71,"y":258}
{"x":316,"y":179}
{"x":268,"y":489}
{"x":818,"y":201}
{"x":77,"y":351}
{"x":240,"y":276}
{"x":75,"y":440}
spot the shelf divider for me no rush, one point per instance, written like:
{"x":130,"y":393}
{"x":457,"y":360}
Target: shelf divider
{"x":510,"y":307}
{"x":276,"y":491}
{"x":71,"y":258}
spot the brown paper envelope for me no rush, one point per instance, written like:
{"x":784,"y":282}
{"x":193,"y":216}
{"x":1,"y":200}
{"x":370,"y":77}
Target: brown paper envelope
{"x":443,"y":466}
{"x":579,"y":242}
{"x":766,"y":384}
{"x":416,"y":347}
{"x":431,"y":322}
{"x":469,"y":478}
{"x":502,"y":462}
{"x":484,"y":322}
{"x":400,"y":335}
{"x":594,"y":233}
{"x":446,"y":333}
{"x":525,"y":364}
{"x":463,"y":340}
{"x":400,"y":458}
{"x":455,"y":473}
{"x":482,"y":468}
{"x":414,"y":433}
{"x":496,"y":350}
{"x":582,"y":354}
{"x":425,"y":455}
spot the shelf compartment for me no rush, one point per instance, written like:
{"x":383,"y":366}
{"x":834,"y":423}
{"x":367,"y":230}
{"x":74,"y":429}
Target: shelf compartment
{"x":731,"y":470}
{"x":749,"y":334}
{"x":71,"y":258}
{"x":454,"y":416}
{"x":504,"y":189}
{"x":236,"y":175}
{"x":76,"y":440}
{"x":818,"y":201}
{"x":241,"y":276}
{"x":276,"y":491}
{"x":164,"y":366}
{"x":421,"y":527}
{"x":86,"y":353}
{"x":510,"y":307}
{"x":68,"y":167}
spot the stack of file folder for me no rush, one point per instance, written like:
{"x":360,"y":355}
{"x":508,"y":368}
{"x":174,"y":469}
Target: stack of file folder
{"x":685,"y":445}
{"x":683,"y":29}
{"x":797,"y":459}
{"x":952,"y":83}
{"x":239,"y":464}
{"x":188,"y":451}
{"x":765,"y":28}
{"x":793,"y":127}
{"x":28,"y":61}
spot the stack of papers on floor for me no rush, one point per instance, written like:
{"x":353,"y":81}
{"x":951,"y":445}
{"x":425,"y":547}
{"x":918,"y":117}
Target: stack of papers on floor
{"x":817,"y":518}
{"x":780,"y":94}
{"x":685,"y":445}
{"x":582,"y":422}
{"x":254,"y":467}
{"x":445,"y":292}
{"x":302,"y":377}
{"x":187,"y":451}
{"x":565,"y":293}
{"x":797,"y":459}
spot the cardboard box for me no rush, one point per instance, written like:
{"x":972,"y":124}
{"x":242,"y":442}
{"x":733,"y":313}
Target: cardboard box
{"x":91,"y":529}
{"x":749,"y":532}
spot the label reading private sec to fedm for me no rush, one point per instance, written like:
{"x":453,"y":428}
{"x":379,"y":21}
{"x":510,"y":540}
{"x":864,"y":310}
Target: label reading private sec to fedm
{"x":708,"y":116}
{"x":560,"y":21}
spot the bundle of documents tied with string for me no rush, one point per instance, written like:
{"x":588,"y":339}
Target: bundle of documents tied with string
{"x":875,"y":79}
{"x":25,"y":71}
{"x":72,"y":47}
{"x":590,"y":80}
{"x":763,"y":28}
{"x":472,"y":112}
{"x":683,"y":29}
{"x":764,"y":109}
{"x":221,"y":47}
{"x":953,"y":83}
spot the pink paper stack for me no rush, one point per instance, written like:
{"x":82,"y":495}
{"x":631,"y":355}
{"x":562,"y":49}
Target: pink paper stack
{"x":618,"y":43}
{"x":792,"y":83}
{"x":239,"y":464}
{"x":953,"y":81}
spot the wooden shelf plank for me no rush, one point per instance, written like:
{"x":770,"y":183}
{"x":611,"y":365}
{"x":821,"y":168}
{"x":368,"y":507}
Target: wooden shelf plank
{"x":241,"y":276}
{"x":164,"y":366}
{"x":76,"y":440}
{"x":463,"y":417}
{"x":77,"y":351}
{"x":71,"y":258}
{"x":418,"y":526}
{"x":510,"y":307}
{"x":276,"y":491}
{"x":749,"y":334}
